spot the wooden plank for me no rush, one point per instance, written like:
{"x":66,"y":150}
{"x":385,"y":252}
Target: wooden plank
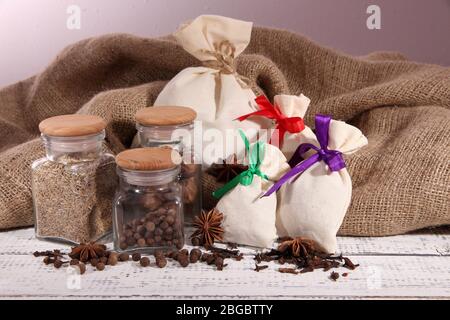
{"x":379,"y":276}
{"x":23,"y":242}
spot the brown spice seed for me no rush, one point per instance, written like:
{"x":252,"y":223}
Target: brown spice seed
{"x":161,"y":262}
{"x":159,"y":253}
{"x":183,"y":260}
{"x":345,"y":274}
{"x":136,"y":256}
{"x":113,"y":258}
{"x":100,"y":266}
{"x":124,"y":256}
{"x":334,"y":276}
{"x":144,"y":262}
{"x":195,"y":241}
{"x":141,"y":242}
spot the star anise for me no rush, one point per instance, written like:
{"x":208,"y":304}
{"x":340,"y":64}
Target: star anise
{"x":298,"y":247}
{"x":86,"y":251}
{"x":208,"y":227}
{"x":227,"y":170}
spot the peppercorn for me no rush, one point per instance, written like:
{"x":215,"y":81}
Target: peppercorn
{"x":47,"y":260}
{"x":159,"y":253}
{"x":124,"y":256}
{"x":195,"y":255}
{"x":113,"y":258}
{"x":141,"y":242}
{"x":161,"y":262}
{"x":103,"y":260}
{"x":184,"y":251}
{"x":183,"y":260}
{"x":145,"y":261}
{"x":195,"y":241}
{"x":136,"y":256}
{"x":100,"y":266}
{"x":171,"y":254}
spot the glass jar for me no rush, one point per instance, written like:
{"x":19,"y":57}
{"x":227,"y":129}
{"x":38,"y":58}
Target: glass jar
{"x":73,"y":186}
{"x":174,"y":127}
{"x":148,"y":206}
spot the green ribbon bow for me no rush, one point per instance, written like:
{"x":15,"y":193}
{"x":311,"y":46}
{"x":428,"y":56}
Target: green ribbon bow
{"x":246,"y":177}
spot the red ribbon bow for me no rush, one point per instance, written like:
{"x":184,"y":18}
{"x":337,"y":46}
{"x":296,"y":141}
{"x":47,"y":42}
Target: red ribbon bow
{"x":284,"y":124}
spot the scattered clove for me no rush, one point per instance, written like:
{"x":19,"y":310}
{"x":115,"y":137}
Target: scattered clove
{"x":258,"y":268}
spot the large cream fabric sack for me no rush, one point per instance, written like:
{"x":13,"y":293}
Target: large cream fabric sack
{"x":249,"y":218}
{"x":314,"y":202}
{"x":215,"y":91}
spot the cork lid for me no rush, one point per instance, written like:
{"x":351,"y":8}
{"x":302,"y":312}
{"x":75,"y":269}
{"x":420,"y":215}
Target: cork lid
{"x":165,"y":116}
{"x":148,"y":159}
{"x":72,"y":125}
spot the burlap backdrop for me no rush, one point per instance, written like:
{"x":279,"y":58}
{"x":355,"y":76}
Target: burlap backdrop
{"x":401,"y":181}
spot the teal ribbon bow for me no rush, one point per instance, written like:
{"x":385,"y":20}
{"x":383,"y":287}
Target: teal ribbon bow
{"x":246,"y":177}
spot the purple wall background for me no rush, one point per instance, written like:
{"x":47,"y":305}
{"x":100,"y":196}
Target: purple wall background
{"x":32,"y":32}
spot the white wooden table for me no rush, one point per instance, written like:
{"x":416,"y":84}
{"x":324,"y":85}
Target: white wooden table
{"x":408,"y":266}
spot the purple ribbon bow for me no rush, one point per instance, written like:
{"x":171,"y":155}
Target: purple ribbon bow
{"x":332,"y":158}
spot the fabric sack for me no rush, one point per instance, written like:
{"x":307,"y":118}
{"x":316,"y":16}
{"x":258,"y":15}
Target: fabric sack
{"x":214,"y":90}
{"x":249,"y":218}
{"x":315,"y":194}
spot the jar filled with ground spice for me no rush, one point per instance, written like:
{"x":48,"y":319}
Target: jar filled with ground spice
{"x":161,"y":126}
{"x":73,"y":186}
{"x":148,"y":206}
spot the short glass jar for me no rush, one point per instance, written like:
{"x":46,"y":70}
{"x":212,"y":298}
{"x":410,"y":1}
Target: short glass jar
{"x":73,"y":186}
{"x":148,"y":206}
{"x":161,"y":126}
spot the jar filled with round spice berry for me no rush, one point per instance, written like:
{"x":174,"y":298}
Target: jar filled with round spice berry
{"x":148,"y":206}
{"x":74,"y":184}
{"x":162,"y":126}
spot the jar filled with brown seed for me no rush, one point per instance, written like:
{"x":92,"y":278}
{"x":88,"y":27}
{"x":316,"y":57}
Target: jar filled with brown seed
{"x":73,"y":186}
{"x":148,"y":206}
{"x":161,"y":126}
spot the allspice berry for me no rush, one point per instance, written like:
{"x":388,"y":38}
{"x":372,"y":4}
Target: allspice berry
{"x":195,"y":255}
{"x":100,"y":266}
{"x":136,"y":256}
{"x":145,"y":261}
{"x":94,"y":262}
{"x":195,"y":241}
{"x":103,"y":260}
{"x":159,"y":253}
{"x":161,"y":262}
{"x":183,"y":260}
{"x":124,"y":256}
{"x":113,"y":258}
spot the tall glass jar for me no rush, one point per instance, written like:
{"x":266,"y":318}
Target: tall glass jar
{"x":173,"y":127}
{"x":148,"y":206}
{"x":73,"y":186}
